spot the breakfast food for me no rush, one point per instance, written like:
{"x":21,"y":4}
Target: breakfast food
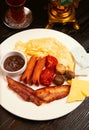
{"x":58,"y":79}
{"x":47,"y":46}
{"x":46,"y":77}
{"x":48,"y":73}
{"x":60,"y":69}
{"x":37,"y":71}
{"x":49,"y":62}
{"x":78,"y":91}
{"x":49,"y":94}
{"x":25,"y":77}
{"x":26,"y":93}
{"x":39,"y":96}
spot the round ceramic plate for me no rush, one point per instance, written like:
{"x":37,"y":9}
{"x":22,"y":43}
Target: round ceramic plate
{"x":13,"y":103}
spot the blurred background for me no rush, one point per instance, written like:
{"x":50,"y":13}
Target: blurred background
{"x":39,"y":10}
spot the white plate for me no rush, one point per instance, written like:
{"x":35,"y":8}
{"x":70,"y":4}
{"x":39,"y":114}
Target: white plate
{"x":12,"y":103}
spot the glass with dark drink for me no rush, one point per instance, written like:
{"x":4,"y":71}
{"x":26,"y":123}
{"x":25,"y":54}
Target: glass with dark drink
{"x":17,"y":16}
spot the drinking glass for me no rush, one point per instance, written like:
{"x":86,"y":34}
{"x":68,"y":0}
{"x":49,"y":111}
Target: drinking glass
{"x":17,"y":16}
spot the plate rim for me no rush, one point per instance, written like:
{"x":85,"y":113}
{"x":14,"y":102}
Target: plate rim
{"x":37,"y":29}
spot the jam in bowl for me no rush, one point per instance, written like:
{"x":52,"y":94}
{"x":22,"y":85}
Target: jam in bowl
{"x":13,"y":63}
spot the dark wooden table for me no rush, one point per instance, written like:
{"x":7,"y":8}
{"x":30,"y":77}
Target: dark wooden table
{"x":78,"y":119}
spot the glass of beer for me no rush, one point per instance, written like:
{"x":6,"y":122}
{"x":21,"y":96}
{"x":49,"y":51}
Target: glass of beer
{"x":17,"y":16}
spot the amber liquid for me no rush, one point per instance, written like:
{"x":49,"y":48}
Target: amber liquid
{"x":17,"y":16}
{"x":15,"y":2}
{"x":16,"y":10}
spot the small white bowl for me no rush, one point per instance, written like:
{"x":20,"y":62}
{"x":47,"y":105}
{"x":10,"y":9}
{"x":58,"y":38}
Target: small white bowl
{"x":16,"y":72}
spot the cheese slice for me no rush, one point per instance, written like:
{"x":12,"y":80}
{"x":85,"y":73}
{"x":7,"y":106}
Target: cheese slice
{"x":79,"y":90}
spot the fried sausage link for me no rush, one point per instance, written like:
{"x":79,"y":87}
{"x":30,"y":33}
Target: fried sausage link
{"x":26,"y":76}
{"x":37,"y":71}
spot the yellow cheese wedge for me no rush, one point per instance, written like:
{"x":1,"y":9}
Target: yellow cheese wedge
{"x":79,"y":90}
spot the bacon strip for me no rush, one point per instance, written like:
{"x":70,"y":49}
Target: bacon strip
{"x":26,"y":76}
{"x":39,"y":96}
{"x":37,"y":71}
{"x":26,"y":93}
{"x":49,"y":94}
